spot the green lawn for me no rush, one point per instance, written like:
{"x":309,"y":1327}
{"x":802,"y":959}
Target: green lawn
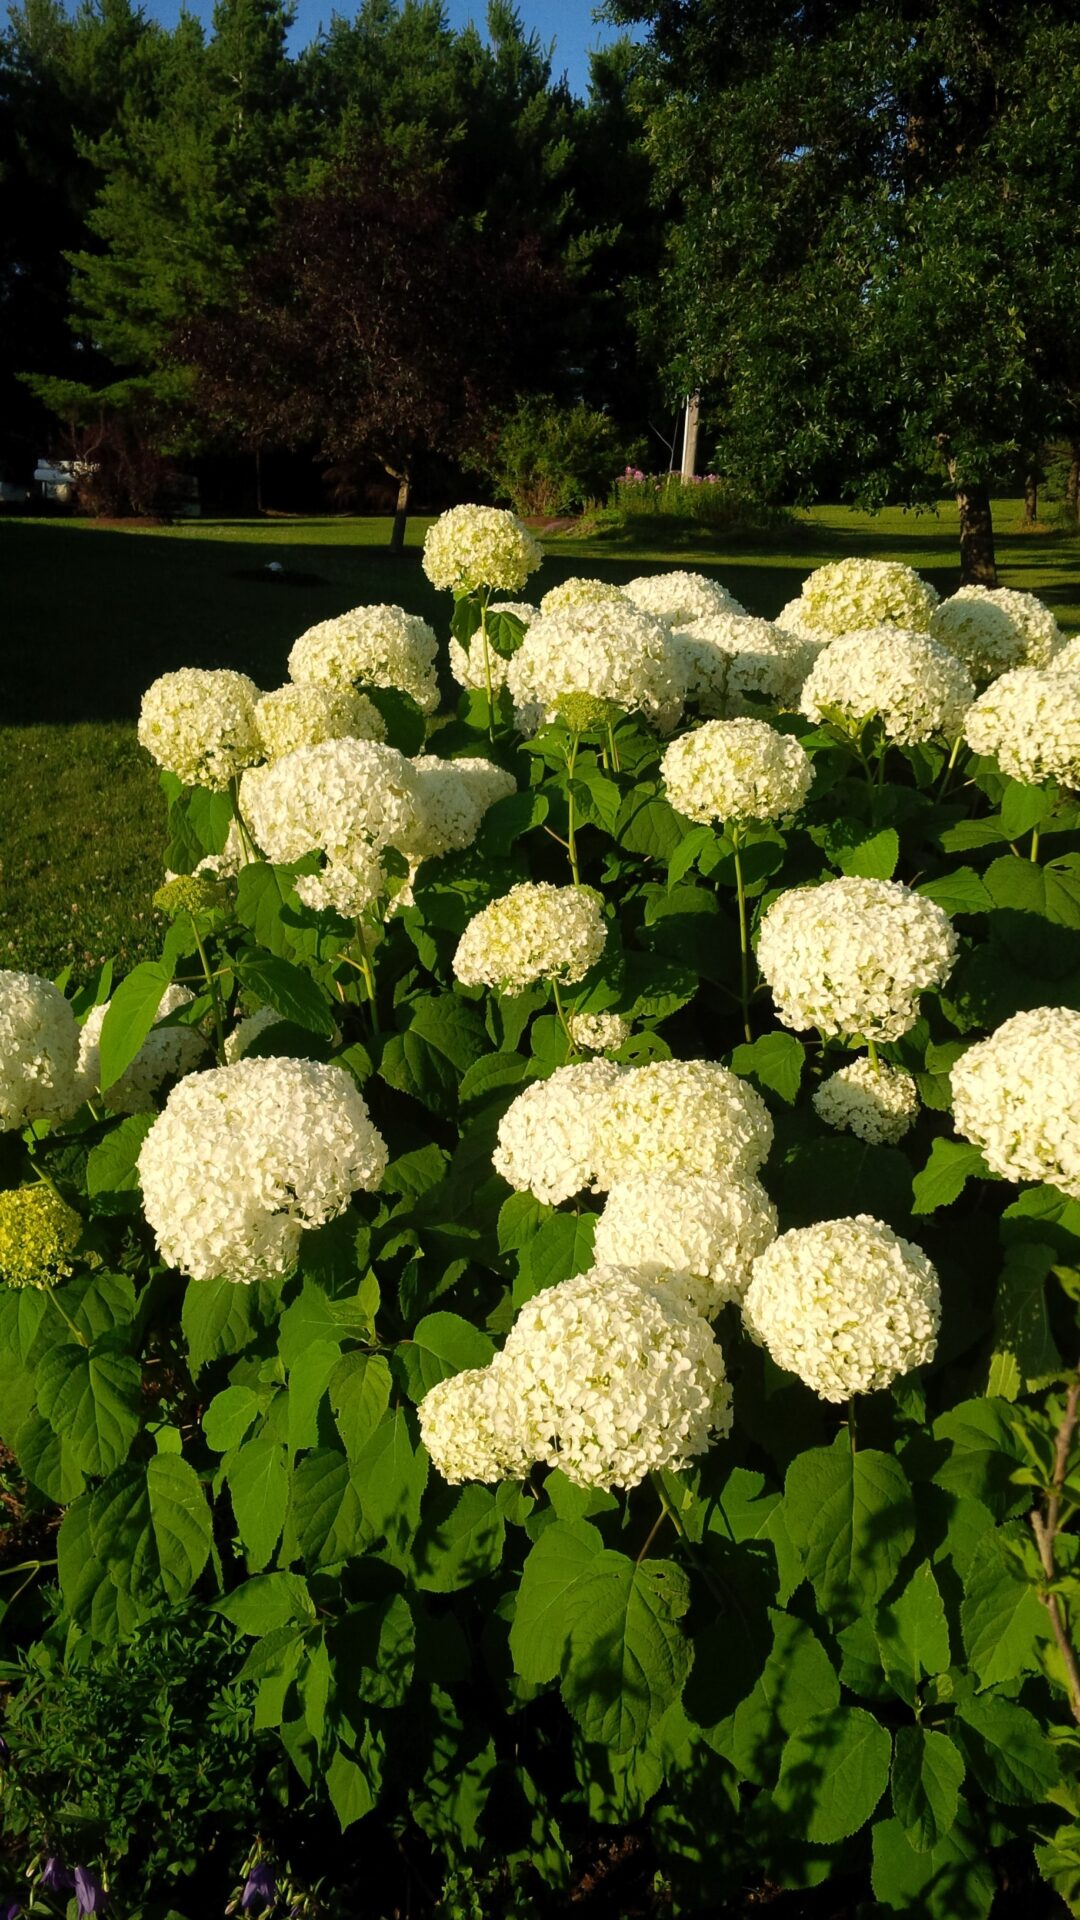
{"x":93,"y":614}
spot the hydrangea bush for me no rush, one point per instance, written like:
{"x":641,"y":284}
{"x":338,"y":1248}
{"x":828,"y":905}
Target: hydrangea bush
{"x":564,"y":1272}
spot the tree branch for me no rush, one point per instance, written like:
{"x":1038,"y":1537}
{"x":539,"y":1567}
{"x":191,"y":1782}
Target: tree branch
{"x":1046,"y":1525}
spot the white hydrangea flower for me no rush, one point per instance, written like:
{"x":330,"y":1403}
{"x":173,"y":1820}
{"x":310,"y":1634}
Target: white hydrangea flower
{"x":470,"y":547}
{"x":580,"y":592}
{"x":1068,"y":660}
{"x":304,"y":715}
{"x":244,"y":1157}
{"x":348,"y":799}
{"x":795,"y":617}
{"x":548,"y":1136}
{"x":878,"y":1104}
{"x":470,"y":1426}
{"x":247,"y":1030}
{"x":166,"y":1053}
{"x":453,"y":797}
{"x":917,"y":687}
{"x":847,"y":595}
{"x":727,"y":658}
{"x":736,"y":771}
{"x":701,"y":1232}
{"x":535,"y":932}
{"x":681,"y":598}
{"x":854,"y":955}
{"x":681,"y":1116}
{"x":598,"y":1032}
{"x":1016,"y":1096}
{"x":467,"y":667}
{"x":1030,"y":719}
{"x":994,"y":628}
{"x":200,"y":725}
{"x":589,"y":662}
{"x":613,"y":1378}
{"x":846,"y":1305}
{"x":39,"y":1050}
{"x":376,"y":646}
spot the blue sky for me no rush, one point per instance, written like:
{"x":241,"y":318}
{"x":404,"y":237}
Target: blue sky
{"x":569,"y":23}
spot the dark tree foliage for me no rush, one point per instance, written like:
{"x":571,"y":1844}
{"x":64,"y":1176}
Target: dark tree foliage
{"x":872,"y":239}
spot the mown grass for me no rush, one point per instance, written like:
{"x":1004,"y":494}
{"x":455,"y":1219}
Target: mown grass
{"x":94,"y":613}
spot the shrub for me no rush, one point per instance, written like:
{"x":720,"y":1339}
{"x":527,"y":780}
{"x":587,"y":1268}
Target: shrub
{"x":709,"y":500}
{"x":547,"y":459}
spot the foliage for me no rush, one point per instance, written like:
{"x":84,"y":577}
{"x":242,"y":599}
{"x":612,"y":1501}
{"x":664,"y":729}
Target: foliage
{"x":796,"y":1657}
{"x":549,"y":459}
{"x":708,"y":500}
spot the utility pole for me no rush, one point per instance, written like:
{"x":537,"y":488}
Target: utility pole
{"x":690,"y":436}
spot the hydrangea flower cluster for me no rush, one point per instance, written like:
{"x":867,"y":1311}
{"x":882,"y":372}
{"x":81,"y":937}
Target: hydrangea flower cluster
{"x":914,"y":685}
{"x":350,"y":800}
{"x":730,"y":661}
{"x":681,"y":598}
{"x":853,"y":956}
{"x":376,"y":646}
{"x":736,"y":771}
{"x":1015,"y":1096}
{"x":700,"y":1232}
{"x":548,"y":1140}
{"x":1030,"y":720}
{"x":471,"y":547}
{"x":994,"y":628}
{"x":598,"y":1032}
{"x":453,"y":797}
{"x":244,"y":1157}
{"x":848,"y":595}
{"x":166,"y":1053}
{"x":200,"y":724}
{"x":876,"y":1103}
{"x":1068,"y":660}
{"x":535,"y":932}
{"x":306,"y":714}
{"x":588,"y":664}
{"x":39,"y":1232}
{"x":682,"y":1116}
{"x":39,"y":1050}
{"x":467,"y":667}
{"x":580,"y":592}
{"x":247,"y":1031}
{"x":605,"y":1376}
{"x":847,"y":1305}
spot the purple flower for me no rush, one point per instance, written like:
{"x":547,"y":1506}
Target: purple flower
{"x":89,"y":1891}
{"x":55,"y":1877}
{"x":11,"y":1911}
{"x":260,"y":1885}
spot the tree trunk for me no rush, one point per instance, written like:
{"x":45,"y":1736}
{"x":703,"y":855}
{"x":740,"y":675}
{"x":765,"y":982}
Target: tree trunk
{"x":690,"y":436}
{"x":258,"y":482}
{"x":1072,"y":484}
{"x":978,"y":566}
{"x":401,"y":511}
{"x":1031,"y":499}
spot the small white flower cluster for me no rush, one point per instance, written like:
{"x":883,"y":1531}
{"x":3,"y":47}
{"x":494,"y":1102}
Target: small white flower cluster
{"x":736,"y":771}
{"x":166,"y":1053}
{"x":589,"y":663}
{"x":852,"y":594}
{"x":535,"y":932}
{"x":305,"y":715}
{"x":376,"y":646}
{"x":700,"y":1232}
{"x":681,"y":598}
{"x":875,"y":1103}
{"x":244,"y":1157}
{"x":605,"y":1376}
{"x":350,"y":800}
{"x":580,"y":592}
{"x":915,"y":686}
{"x":1017,"y":1096}
{"x":1030,"y":719}
{"x":200,"y":724}
{"x":467,"y":667}
{"x":453,"y":797}
{"x":1068,"y":660}
{"x":847,"y":1305}
{"x":994,"y":628}
{"x":727,"y":658}
{"x":470,"y":547}
{"x":598,"y":1032}
{"x":591,"y":1125}
{"x":853,"y":956}
{"x":39,"y":1048}
{"x":247,"y":1031}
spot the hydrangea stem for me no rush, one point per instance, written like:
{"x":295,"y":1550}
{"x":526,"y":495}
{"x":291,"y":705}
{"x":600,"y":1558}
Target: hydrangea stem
{"x":613,"y":751}
{"x":215,"y":995}
{"x":852,"y":1436}
{"x":364,"y":962}
{"x":744,"y":937}
{"x":872,"y":1054}
{"x":246,"y":840}
{"x":487,"y":671}
{"x":571,"y":840}
{"x":561,"y":1011}
{"x":1034,"y":854}
{"x":953,"y":757}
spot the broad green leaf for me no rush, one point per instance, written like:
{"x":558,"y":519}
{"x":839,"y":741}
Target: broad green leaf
{"x":228,"y":1418}
{"x":833,"y":1772}
{"x":955,"y":1881}
{"x":112,"y":1171}
{"x":874,"y":858}
{"x":951,"y":1165}
{"x":258,"y":1482}
{"x":963,"y":891}
{"x":1024,"y":807}
{"x":554,"y":1570}
{"x":441,"y":1344}
{"x":443,"y":1039}
{"x":912,"y":1630}
{"x":262,"y":895}
{"x":269,"y":1601}
{"x":983,"y":1453}
{"x":278,"y":983}
{"x":373,"y":1647}
{"x":91,"y":1397}
{"x":798,"y":1682}
{"x":1051,"y":891}
{"x":132,"y":1012}
{"x":210,"y":815}
{"x":220,"y":1318}
{"x":776,"y":1061}
{"x":690,"y":846}
{"x":852,"y":1519}
{"x":562,"y":1247}
{"x":649,"y":825}
{"x":390,"y":1473}
{"x":325,"y":1509}
{"x":508,"y":819}
{"x":494,"y":1073}
{"x":406,"y":726}
{"x":359,"y":1395}
{"x":150,"y":1525}
{"x":520,"y":1218}
{"x":628,"y":1657}
{"x":460,"y":1539}
{"x":1021,"y":1318}
{"x":1001,"y":1618}
{"x":48,"y":1460}
{"x":927,"y":1775}
{"x":350,"y":1789}
{"x":505,"y":632}
{"x":1007,"y":1750}
{"x":309,"y":1377}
